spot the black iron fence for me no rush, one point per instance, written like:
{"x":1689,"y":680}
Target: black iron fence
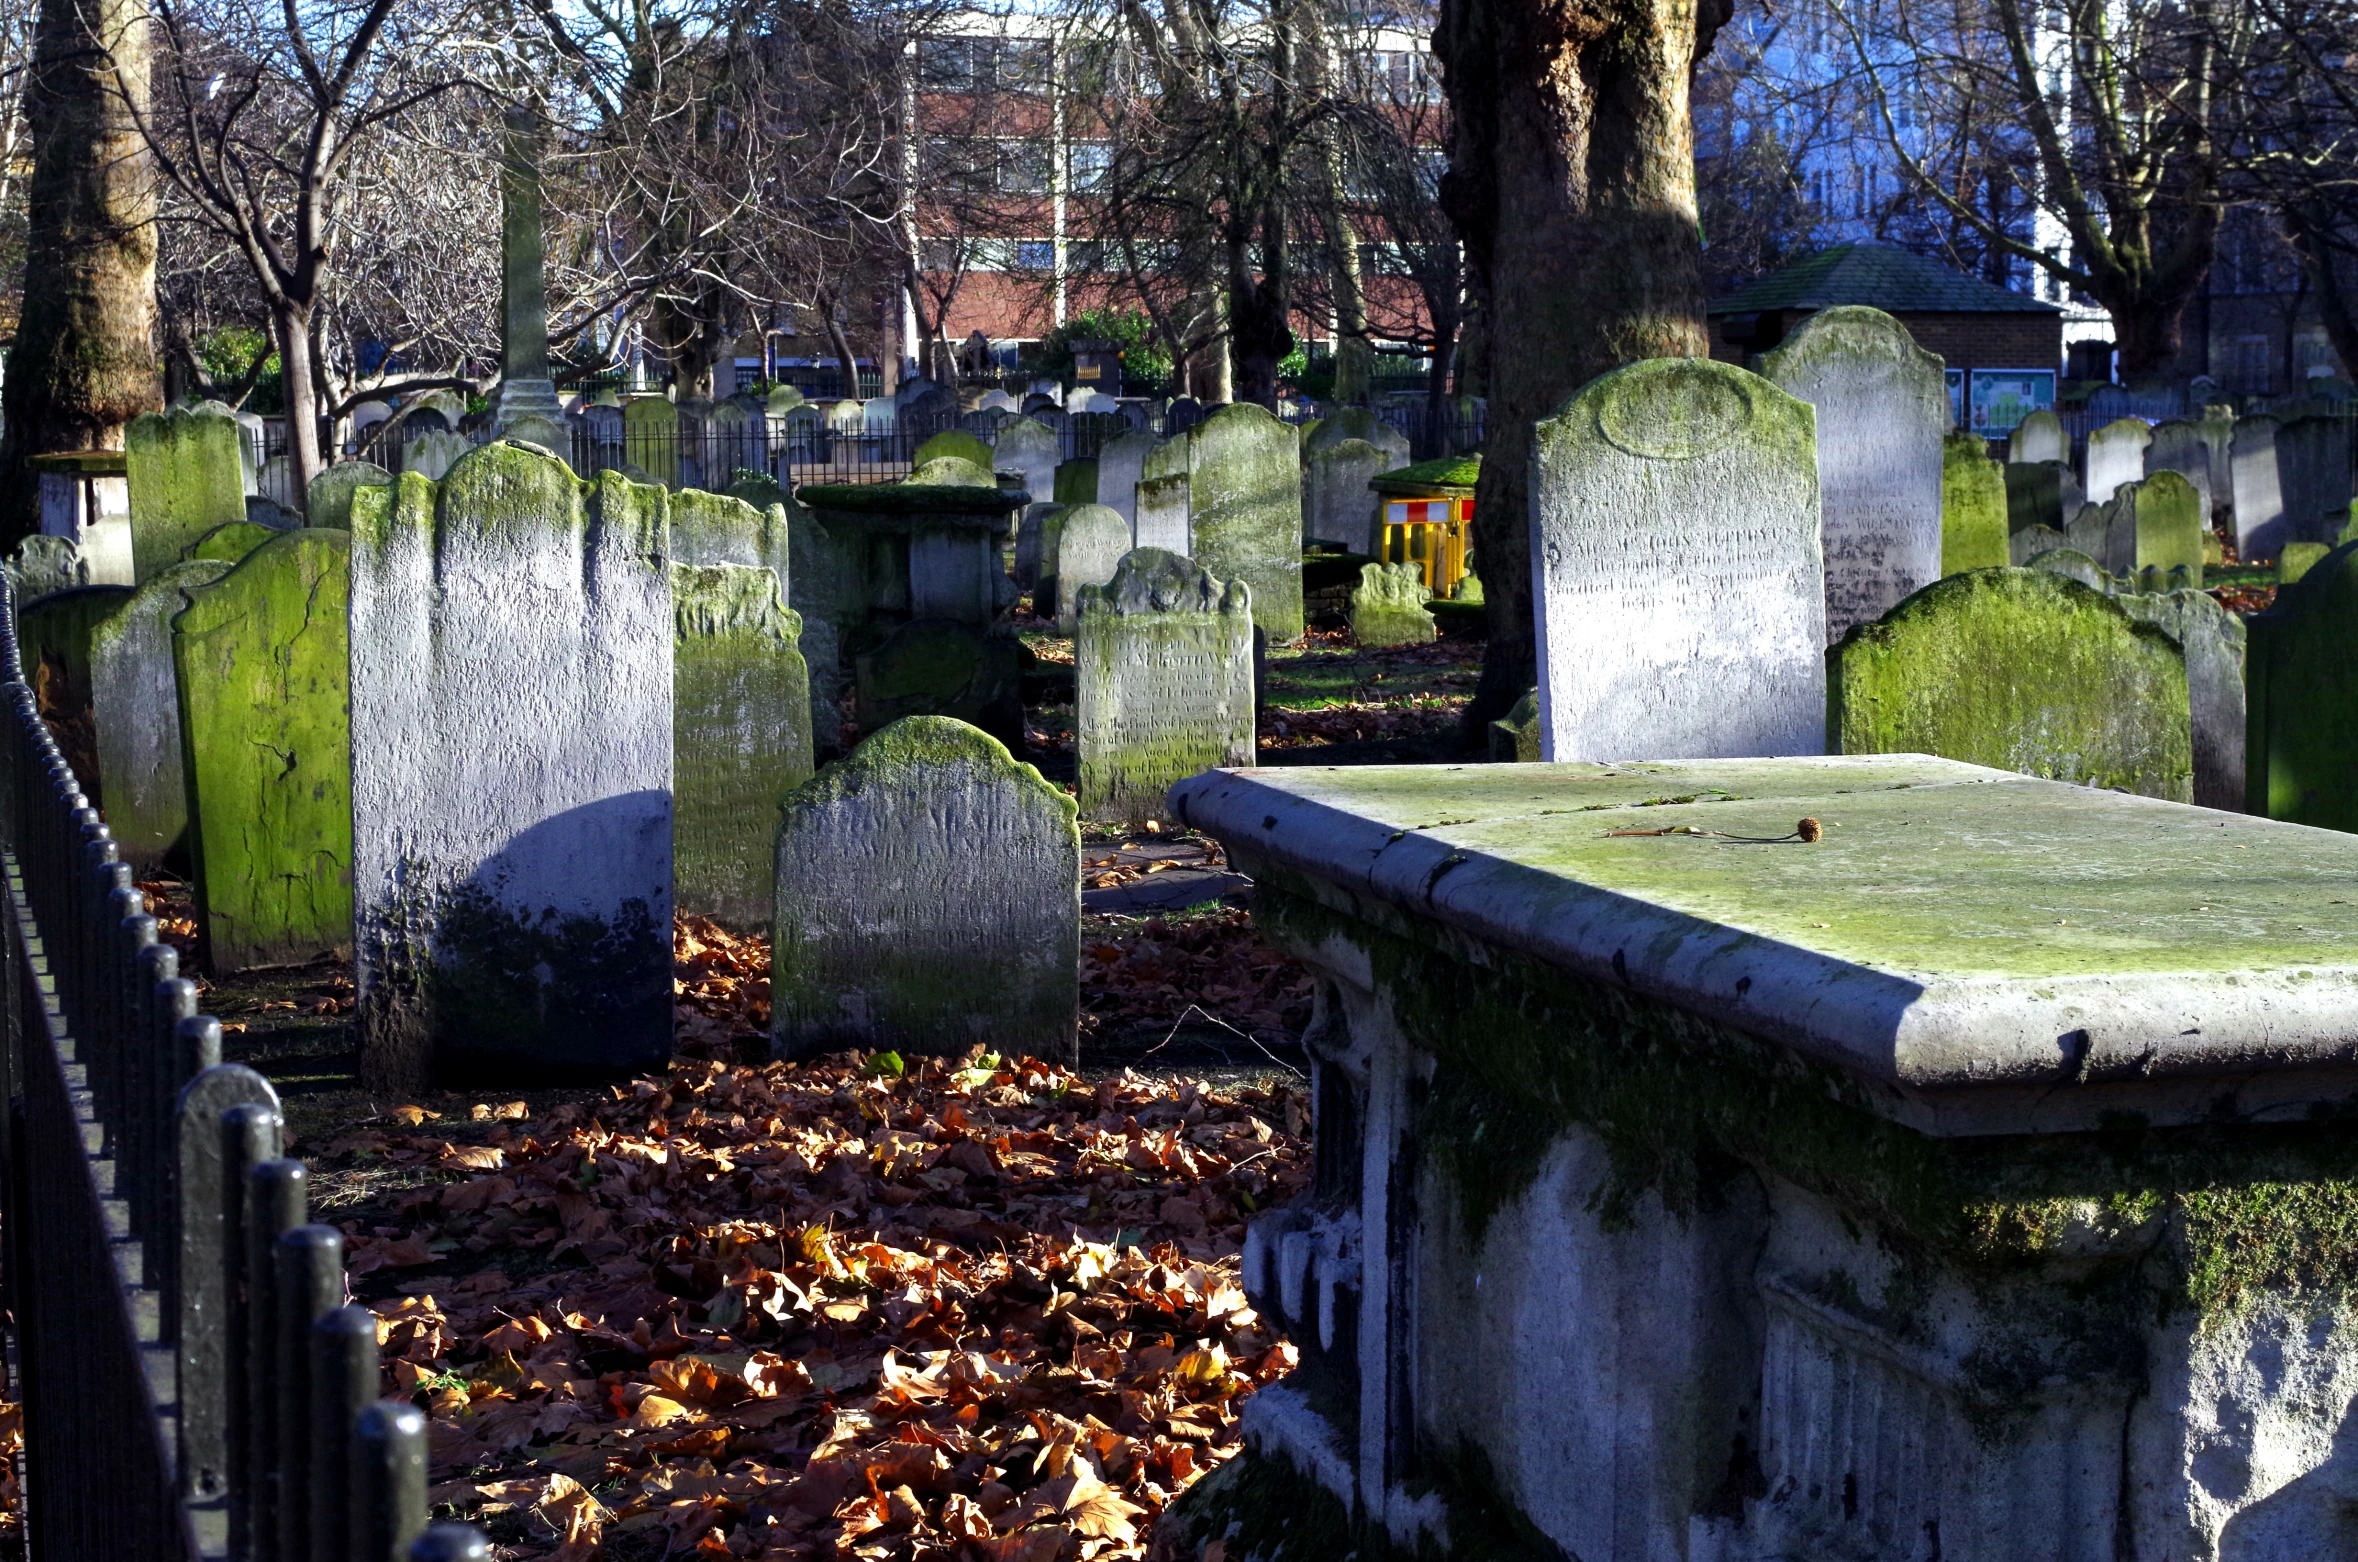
{"x":193,"y":1384}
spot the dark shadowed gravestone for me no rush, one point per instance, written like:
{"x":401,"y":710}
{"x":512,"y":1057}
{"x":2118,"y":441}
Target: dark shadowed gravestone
{"x":185,"y":476}
{"x":512,"y":771}
{"x":135,"y":700}
{"x":2301,"y":747}
{"x":1076,"y":481}
{"x":2183,"y":446}
{"x":741,"y":736}
{"x":1679,"y":601}
{"x":2041,"y":499}
{"x":1163,"y":682}
{"x":1972,"y":506}
{"x":2018,"y":669}
{"x":263,"y":660}
{"x":1089,"y":546}
{"x":1337,"y":503}
{"x":943,"y":667}
{"x":1883,"y":406}
{"x":1388,"y":606}
{"x":886,"y":863}
{"x":2313,"y":473}
{"x":2213,"y":642}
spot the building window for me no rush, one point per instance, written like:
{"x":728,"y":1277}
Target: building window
{"x":1089,"y":163}
{"x":1025,"y":65}
{"x":1035,"y":255}
{"x":1023,"y":167}
{"x":949,"y":64}
{"x":2251,"y":363}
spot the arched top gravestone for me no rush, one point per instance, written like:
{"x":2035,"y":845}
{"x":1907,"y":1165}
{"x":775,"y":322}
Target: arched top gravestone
{"x":1972,"y":506}
{"x":329,"y":502}
{"x":711,"y":529}
{"x":2039,"y":437}
{"x":1678,"y":588}
{"x":135,"y":705}
{"x":1031,"y":448}
{"x":741,"y":730}
{"x":1244,"y":510}
{"x":954,"y":442}
{"x":2116,"y":455}
{"x":186,"y":476}
{"x":1089,"y":546}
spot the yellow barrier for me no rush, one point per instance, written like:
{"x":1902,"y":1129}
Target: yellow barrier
{"x":1435,"y":533}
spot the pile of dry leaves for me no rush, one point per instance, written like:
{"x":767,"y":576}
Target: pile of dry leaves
{"x":858,"y":1308}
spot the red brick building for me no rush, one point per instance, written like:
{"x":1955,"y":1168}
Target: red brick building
{"x":1968,"y":322}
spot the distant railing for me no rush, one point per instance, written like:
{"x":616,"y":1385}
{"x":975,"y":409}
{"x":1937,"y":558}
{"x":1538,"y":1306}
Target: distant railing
{"x":192,"y":1386}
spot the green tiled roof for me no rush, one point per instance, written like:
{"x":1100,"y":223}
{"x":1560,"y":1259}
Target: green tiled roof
{"x":1447,"y":477}
{"x":1880,"y":277}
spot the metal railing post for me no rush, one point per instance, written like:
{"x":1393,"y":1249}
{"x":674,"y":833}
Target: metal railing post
{"x":388,"y":1485}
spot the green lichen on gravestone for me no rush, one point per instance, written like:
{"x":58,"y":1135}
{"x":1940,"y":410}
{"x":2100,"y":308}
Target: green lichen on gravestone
{"x":2169,"y":525}
{"x":1972,"y":506}
{"x":263,"y":663}
{"x":1244,"y":496}
{"x":1388,"y":606}
{"x":941,"y":667}
{"x":53,"y":636}
{"x":1076,"y":481}
{"x":927,"y":900}
{"x":1447,"y":476}
{"x":732,"y":528}
{"x":2074,"y":565}
{"x":954,"y":442}
{"x":2020,"y":669}
{"x":741,"y":736}
{"x":185,"y":476}
{"x":231,"y":543}
{"x":330,"y":498}
{"x":951,"y":472}
{"x":135,"y":703}
{"x":2301,"y":745}
{"x":2296,"y":559}
{"x":651,"y":437}
{"x":1515,"y":737}
{"x":1163,"y":682}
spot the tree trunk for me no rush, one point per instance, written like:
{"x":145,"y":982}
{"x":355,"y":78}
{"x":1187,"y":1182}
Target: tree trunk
{"x":292,"y":326}
{"x":85,"y":360}
{"x":2311,"y":226}
{"x":1258,"y":335}
{"x":2148,"y":327}
{"x":841,"y":342}
{"x":1572,"y":183}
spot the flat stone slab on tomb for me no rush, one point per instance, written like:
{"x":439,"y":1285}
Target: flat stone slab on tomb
{"x":1974,"y":952}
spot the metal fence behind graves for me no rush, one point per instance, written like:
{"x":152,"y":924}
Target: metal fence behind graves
{"x":193,"y":1385}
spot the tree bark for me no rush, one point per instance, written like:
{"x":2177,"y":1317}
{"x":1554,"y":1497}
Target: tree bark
{"x":85,"y":358}
{"x":2311,"y":224}
{"x":296,"y":370}
{"x":1572,"y":182}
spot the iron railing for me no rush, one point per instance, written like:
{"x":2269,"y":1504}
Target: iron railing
{"x":193,"y":1385}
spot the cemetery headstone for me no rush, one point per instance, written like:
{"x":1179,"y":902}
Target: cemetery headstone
{"x":185,"y":479}
{"x":882,"y":860}
{"x":2074,"y":565}
{"x":651,"y":437}
{"x":1514,"y":737}
{"x":2183,"y":446}
{"x":1076,"y":481}
{"x":1161,"y":512}
{"x":783,"y":399}
{"x":2155,"y":523}
{"x":330,"y":500}
{"x":2212,"y":641}
{"x":43,"y":565}
{"x":2259,"y":498}
{"x":1184,"y":413}
{"x":1121,"y":463}
{"x":2296,"y":559}
{"x":1388,"y":606}
{"x":2313,"y":473}
{"x":1089,"y":547}
{"x":430,"y":454}
{"x":2116,"y":455}
{"x":1678,"y":594}
{"x":710,"y":528}
{"x":1033,"y":546}
{"x":1244,"y":511}
{"x":1337,"y":503}
{"x":135,"y":703}
{"x":2045,"y":494}
{"x":512,"y":631}
{"x":1360,"y":423}
{"x":1883,"y":407}
{"x":2302,"y":689}
{"x":944,"y":667}
{"x":253,"y":440}
{"x":230,"y":544}
{"x":263,"y":661}
{"x":954,"y":442}
{"x":2019,"y":669}
{"x":741,"y":736}
{"x":1163,"y":682}
{"x":1031,"y":449}
{"x":1973,"y":511}
{"x":2039,"y":437}
{"x":54,"y":636}
{"x":952,"y":472}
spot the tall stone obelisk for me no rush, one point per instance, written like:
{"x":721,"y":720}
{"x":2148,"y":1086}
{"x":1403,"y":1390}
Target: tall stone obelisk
{"x":525,"y":404}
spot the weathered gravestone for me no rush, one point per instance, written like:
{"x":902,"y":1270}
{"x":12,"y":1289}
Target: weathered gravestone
{"x":329,"y":502}
{"x":651,"y":437}
{"x":54,"y":636}
{"x":1973,"y":530}
{"x":1163,"y":682}
{"x":943,"y":667}
{"x":2259,"y":498}
{"x":1337,"y":503}
{"x":2040,"y":498}
{"x":1028,"y":448}
{"x":1035,"y":545}
{"x":1388,"y":606}
{"x":1883,"y":407}
{"x":2039,"y":437}
{"x":2183,"y":446}
{"x":230,"y":544}
{"x":741,"y":736}
{"x":821,"y":586}
{"x":728,"y":528}
{"x":2074,"y":565}
{"x":2154,"y":523}
{"x":1244,"y":510}
{"x":43,"y":565}
{"x":512,"y":773}
{"x":950,"y":472}
{"x":1515,"y":737}
{"x":1076,"y":481}
{"x":885,"y":863}
{"x":2116,"y":455}
{"x":2018,"y":669}
{"x":1679,"y":601}
{"x":1184,"y":413}
{"x":954,"y":442}
{"x":1121,"y":462}
{"x":183,"y":470}
{"x":2313,"y":472}
{"x":2301,"y":743}
{"x":263,"y":658}
{"x":1159,"y":518}
{"x":431,"y":453}
{"x":135,"y":703}
{"x":1089,"y":547}
{"x":2212,"y":640}
{"x":2296,"y":559}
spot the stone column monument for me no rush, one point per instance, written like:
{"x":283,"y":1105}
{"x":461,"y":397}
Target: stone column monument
{"x":525,"y":389}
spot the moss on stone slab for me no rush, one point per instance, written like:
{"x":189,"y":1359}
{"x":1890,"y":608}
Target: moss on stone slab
{"x":230,"y":544}
{"x":1448,"y":477}
{"x":186,"y":476}
{"x":741,"y":736}
{"x":1388,"y":606}
{"x":953,"y":442}
{"x":1972,"y":506}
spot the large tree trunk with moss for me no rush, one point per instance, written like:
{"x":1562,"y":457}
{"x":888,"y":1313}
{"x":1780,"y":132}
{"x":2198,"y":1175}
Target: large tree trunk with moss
{"x":1572,"y":182}
{"x":85,"y":361}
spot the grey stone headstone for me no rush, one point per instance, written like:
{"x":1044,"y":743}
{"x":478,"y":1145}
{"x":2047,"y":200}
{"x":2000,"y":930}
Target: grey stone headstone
{"x":709,"y":528}
{"x":430,"y":454}
{"x":1337,"y":503}
{"x":1160,"y":519}
{"x":735,"y":439}
{"x":1244,"y":511}
{"x":2213,"y":640}
{"x":2034,"y":543}
{"x":1360,"y":423}
{"x":512,"y":663}
{"x":1680,"y":598}
{"x":1388,"y":606}
{"x":928,"y":900}
{"x":1883,"y":410}
{"x":943,"y":667}
{"x":2154,"y":522}
{"x":1184,"y":413}
{"x":1163,"y":678}
{"x":2039,"y":437}
{"x":43,"y":565}
{"x":2259,"y":496}
{"x":2313,"y":470}
{"x":135,"y":702}
{"x":2074,"y":564}
{"x":2183,"y":446}
{"x":2116,"y":455}
{"x":848,"y":417}
{"x":1089,"y":547}
{"x":186,"y":474}
{"x":2043,"y":493}
{"x":1024,"y":446}
{"x":1031,"y":543}
{"x":741,"y":736}
{"x":330,"y":500}
{"x":1120,"y":463}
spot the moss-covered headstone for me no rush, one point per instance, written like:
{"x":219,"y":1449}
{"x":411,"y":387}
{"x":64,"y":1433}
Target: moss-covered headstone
{"x":1388,"y":606}
{"x":2074,"y":565}
{"x":1972,"y":506}
{"x":1163,"y":681}
{"x":2154,"y":523}
{"x":329,"y":502}
{"x":953,"y":442}
{"x":1337,"y":504}
{"x":1076,"y":481}
{"x":2041,"y":499}
{"x":651,"y":437}
{"x":512,"y":632}
{"x":186,"y":477}
{"x":135,"y":702}
{"x":2301,"y":744}
{"x":2020,"y":669}
{"x":431,"y":454}
{"x":950,"y":472}
{"x":1089,"y":546}
{"x":263,"y":660}
{"x":1679,"y":601}
{"x":731,"y":528}
{"x":2258,"y":494}
{"x":1883,"y":407}
{"x":2296,"y":559}
{"x":2213,"y":642}
{"x":741,"y":736}
{"x":928,"y":900}
{"x":1514,"y":737}
{"x":821,"y":586}
{"x":944,"y":667}
{"x":2116,"y":455}
{"x":54,"y":636}
{"x":231,"y":543}
{"x":1244,"y":511}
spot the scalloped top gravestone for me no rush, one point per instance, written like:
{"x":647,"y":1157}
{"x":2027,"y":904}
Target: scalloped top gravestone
{"x":741,"y":736}
{"x":2019,"y":669}
{"x":2259,"y":498}
{"x":2039,"y":437}
{"x":329,"y":502}
{"x":882,"y":860}
{"x":263,"y":660}
{"x":1163,"y":682}
{"x":1388,"y":606}
{"x":1679,"y":599}
{"x":1089,"y":547}
{"x":185,"y":476}
{"x":2154,"y":523}
{"x":1121,"y":462}
{"x":135,"y":703}
{"x":1973,"y":531}
{"x":2116,"y":455}
{"x":1883,"y":407}
{"x":512,"y":632}
{"x":43,"y":565}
